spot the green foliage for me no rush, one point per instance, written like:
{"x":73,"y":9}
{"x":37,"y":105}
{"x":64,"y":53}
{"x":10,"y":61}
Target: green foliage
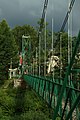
{"x":58,"y":118}
{"x":26,"y":30}
{"x":34,"y":116}
{"x":21,"y":104}
{"x":8,"y":49}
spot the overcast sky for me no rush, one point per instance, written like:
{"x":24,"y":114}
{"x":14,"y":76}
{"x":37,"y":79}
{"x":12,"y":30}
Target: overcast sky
{"x":20,"y":12}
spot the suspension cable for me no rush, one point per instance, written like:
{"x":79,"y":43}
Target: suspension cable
{"x":53,"y":33}
{"x":69,"y":40}
{"x":67,"y":15}
{"x":36,"y":60}
{"x":45,"y":48}
{"x":60,"y":56}
{"x":43,"y":15}
{"x":40,"y":30}
{"x":39,"y":53}
{"x":69,"y":36}
{"x":65,"y":20}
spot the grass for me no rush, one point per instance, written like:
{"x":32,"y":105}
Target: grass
{"x":22,"y":104}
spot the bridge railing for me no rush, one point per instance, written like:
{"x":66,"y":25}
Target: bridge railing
{"x":50,"y":90}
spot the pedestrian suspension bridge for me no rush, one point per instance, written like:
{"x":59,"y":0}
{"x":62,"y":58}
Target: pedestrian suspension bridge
{"x":62,"y":93}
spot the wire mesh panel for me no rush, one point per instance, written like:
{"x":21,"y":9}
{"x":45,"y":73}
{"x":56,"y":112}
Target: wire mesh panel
{"x":50,"y":92}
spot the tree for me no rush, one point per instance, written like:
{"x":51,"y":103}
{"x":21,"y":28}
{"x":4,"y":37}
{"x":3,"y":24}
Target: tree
{"x":26,"y":30}
{"x":8,"y":49}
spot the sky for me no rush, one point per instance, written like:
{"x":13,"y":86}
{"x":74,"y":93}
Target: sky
{"x":20,"y":12}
